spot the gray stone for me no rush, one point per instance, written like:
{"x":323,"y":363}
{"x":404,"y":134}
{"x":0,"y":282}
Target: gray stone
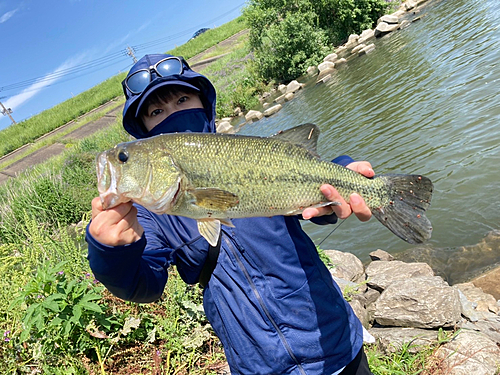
{"x":282,"y":88}
{"x":360,"y":312}
{"x":358,"y":48}
{"x":421,"y":302}
{"x":326,"y":65}
{"x":346,"y":266}
{"x":380,"y":255}
{"x":381,"y":274}
{"x":225,"y":127}
{"x":253,"y":115}
{"x":488,"y":324}
{"x":469,"y":353}
{"x":484,"y":301}
{"x":384,"y":28}
{"x":331,"y":57}
{"x":312,"y":70}
{"x":389,"y":19}
{"x":293,"y":87}
{"x":369,"y":48}
{"x":392,"y":339}
{"x":272,"y":110}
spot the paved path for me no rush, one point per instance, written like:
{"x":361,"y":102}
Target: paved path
{"x":13,"y":170}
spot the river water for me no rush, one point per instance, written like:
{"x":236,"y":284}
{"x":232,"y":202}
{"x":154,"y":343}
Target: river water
{"x":425,"y":101}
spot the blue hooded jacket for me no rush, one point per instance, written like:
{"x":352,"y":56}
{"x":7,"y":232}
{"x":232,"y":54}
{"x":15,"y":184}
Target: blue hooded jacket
{"x":270,"y":300}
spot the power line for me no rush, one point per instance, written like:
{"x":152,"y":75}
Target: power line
{"x":104,"y":61}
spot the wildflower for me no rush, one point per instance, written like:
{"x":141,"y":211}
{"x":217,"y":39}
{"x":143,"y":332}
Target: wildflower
{"x":60,"y":273}
{"x":6,"y":337}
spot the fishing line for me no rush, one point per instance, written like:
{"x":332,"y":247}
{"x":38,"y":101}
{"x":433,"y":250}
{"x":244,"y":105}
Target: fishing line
{"x":334,"y":229}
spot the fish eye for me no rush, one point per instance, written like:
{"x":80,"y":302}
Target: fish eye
{"x":123,"y":156}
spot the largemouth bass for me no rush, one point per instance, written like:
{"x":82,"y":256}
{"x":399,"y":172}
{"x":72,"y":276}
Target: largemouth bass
{"x":214,"y":178}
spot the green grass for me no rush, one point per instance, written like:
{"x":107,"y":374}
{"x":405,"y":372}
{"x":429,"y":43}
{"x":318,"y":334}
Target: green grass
{"x":209,"y":38}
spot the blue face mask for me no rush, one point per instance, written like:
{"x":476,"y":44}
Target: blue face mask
{"x":188,"y":120}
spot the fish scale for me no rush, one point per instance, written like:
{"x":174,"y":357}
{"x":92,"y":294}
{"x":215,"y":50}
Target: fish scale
{"x":214,"y":178}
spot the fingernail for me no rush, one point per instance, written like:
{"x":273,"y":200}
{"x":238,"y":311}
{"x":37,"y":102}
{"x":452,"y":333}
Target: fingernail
{"x":354,"y":199}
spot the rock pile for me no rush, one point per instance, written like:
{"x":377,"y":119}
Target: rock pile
{"x":401,"y":303}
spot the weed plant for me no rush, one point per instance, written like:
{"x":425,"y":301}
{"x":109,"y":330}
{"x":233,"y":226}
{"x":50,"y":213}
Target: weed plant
{"x":55,"y":317}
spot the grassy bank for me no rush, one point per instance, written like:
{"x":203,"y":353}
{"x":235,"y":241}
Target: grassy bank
{"x":29,"y":130}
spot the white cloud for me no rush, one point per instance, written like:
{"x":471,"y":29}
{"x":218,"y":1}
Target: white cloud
{"x":6,"y":16}
{"x":18,"y":100}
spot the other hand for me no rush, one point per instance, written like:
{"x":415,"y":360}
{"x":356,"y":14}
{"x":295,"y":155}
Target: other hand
{"x":356,"y":203}
{"x":115,"y":226}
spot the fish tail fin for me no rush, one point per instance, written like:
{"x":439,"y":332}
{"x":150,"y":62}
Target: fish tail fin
{"x":404,"y":215}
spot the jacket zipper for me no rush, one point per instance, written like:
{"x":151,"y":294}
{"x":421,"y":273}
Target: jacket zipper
{"x":263,"y":306}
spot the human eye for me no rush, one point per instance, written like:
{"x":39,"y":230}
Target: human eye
{"x":156,"y":112}
{"x":183,"y":99}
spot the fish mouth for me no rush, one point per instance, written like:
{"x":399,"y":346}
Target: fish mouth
{"x":107,"y":183}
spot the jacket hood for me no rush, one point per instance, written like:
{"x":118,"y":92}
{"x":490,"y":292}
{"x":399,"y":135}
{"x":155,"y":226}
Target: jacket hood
{"x":188,"y":77}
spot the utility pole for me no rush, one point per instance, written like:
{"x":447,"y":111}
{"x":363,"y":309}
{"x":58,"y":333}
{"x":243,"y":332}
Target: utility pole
{"x":130,"y":52}
{"x":6,"y":111}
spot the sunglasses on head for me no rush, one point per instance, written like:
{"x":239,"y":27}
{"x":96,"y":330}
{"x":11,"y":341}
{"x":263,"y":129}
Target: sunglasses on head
{"x":139,"y":80}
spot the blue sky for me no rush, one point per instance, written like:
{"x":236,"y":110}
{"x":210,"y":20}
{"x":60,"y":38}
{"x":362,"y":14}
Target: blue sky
{"x":54,"y":49}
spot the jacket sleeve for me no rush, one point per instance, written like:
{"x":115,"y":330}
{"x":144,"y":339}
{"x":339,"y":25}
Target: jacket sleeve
{"x":135,"y":272}
{"x":344,"y":161}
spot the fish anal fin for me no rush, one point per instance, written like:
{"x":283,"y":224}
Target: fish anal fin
{"x":214,"y":199}
{"x":210,"y":230}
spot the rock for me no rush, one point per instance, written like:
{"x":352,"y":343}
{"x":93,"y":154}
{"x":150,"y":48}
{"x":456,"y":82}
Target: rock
{"x":325,"y":66}
{"x":488,"y":324}
{"x":484,"y":301}
{"x":389,"y":19}
{"x":289,"y":96}
{"x":331,"y":57}
{"x":352,"y":41}
{"x":225,"y":127}
{"x":469,"y":353}
{"x":369,"y":48}
{"x":340,"y":61}
{"x":421,"y":302}
{"x":384,"y":28}
{"x":410,"y":4}
{"x":346,"y":266}
{"x":324,"y":79}
{"x":358,"y":48}
{"x":468,"y":308}
{"x":366,"y":35}
{"x":392,"y":339}
{"x":272,"y":110}
{"x":238,"y":111}
{"x":381,"y":255}
{"x":360,"y":312}
{"x":488,"y":282}
{"x":381,"y":274}
{"x":253,"y":115}
{"x":312,"y":70}
{"x":293,"y":87}
{"x":282,"y":88}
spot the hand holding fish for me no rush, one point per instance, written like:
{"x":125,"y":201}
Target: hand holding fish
{"x":115,"y":226}
{"x":356,"y":203}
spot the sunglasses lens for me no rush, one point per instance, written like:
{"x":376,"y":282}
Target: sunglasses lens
{"x":137,"y":82}
{"x":169,"y":67}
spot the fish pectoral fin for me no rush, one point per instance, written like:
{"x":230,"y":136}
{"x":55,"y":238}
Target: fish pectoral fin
{"x":210,"y":230}
{"x":323,"y":204}
{"x":214,"y":199}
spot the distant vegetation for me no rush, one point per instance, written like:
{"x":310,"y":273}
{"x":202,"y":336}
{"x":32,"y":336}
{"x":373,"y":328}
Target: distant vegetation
{"x":289,"y":36}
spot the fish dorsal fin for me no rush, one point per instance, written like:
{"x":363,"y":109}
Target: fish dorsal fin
{"x":305,"y":135}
